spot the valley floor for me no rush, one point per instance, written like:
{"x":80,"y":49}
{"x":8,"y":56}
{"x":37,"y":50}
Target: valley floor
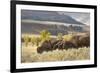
{"x":29,"y":54}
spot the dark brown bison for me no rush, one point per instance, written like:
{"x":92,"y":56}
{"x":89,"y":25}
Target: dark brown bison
{"x":76,"y":42}
{"x":84,"y":41}
{"x":81,"y":41}
{"x":46,"y":46}
{"x":64,"y":45}
{"x":53,"y":45}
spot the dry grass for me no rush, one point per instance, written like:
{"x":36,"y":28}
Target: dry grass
{"x":29,"y":54}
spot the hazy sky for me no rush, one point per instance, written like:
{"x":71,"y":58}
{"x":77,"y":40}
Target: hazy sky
{"x":79,"y":16}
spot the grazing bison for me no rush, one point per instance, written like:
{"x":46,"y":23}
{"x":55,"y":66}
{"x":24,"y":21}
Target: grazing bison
{"x":68,"y":44}
{"x":84,"y":41}
{"x":46,"y":46}
{"x":53,"y":45}
{"x":76,"y":42}
{"x":81,"y":41}
{"x":64,"y":45}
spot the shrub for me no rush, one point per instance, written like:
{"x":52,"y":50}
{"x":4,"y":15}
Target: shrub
{"x":67,"y":37}
{"x":35,"y":40}
{"x":82,"y":53}
{"x":45,"y":35}
{"x":59,"y":36}
{"x":26,"y":39}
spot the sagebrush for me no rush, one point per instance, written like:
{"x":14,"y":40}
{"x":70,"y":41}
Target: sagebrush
{"x":56,"y":55}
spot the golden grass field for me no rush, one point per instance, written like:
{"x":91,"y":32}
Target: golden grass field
{"x":29,"y":54}
{"x":29,"y":50}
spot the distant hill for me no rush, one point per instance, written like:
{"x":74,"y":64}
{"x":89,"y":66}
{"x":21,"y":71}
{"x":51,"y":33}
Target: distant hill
{"x":36,"y":21}
{"x":48,"y":16}
{"x":36,"y":28}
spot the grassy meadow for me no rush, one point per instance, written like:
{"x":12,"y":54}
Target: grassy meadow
{"x":29,"y":54}
{"x":30,"y":43}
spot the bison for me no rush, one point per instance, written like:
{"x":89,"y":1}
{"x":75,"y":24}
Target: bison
{"x":46,"y":46}
{"x":84,"y":41}
{"x":64,"y":45}
{"x":76,"y":42}
{"x":81,"y":41}
{"x":53,"y":45}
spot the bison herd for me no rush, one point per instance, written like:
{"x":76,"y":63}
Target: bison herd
{"x":76,"y":42}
